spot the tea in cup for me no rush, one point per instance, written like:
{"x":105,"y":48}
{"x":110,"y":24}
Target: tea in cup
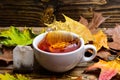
{"x":60,"y":51}
{"x":59,"y":42}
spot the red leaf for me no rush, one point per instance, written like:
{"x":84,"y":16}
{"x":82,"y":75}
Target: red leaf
{"x":107,"y":74}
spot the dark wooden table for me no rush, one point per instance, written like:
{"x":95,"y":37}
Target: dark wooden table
{"x":33,"y":13}
{"x":39,"y":73}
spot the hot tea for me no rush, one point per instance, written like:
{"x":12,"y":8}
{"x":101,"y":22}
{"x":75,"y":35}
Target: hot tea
{"x":57,"y":42}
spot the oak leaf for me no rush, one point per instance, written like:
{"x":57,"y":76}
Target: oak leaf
{"x":108,"y":69}
{"x":72,"y":26}
{"x":115,"y":33}
{"x":100,"y":40}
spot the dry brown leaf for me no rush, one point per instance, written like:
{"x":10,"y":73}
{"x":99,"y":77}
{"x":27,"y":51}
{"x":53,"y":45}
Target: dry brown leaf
{"x":115,"y":33}
{"x":83,"y":21}
{"x":96,"y":21}
{"x":104,"y":54}
{"x":7,"y":55}
{"x":100,"y":40}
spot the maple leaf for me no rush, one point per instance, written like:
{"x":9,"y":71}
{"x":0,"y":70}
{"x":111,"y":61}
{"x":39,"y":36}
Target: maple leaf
{"x":72,"y":26}
{"x":96,"y":21}
{"x":115,"y":33}
{"x":108,"y":69}
{"x":83,"y":21}
{"x":100,"y":40}
{"x":13,"y":37}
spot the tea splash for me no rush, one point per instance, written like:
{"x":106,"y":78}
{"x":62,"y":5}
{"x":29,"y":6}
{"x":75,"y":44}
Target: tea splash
{"x":59,"y":42}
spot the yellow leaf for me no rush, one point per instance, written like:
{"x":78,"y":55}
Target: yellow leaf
{"x":7,"y":76}
{"x":100,"y":40}
{"x":73,"y":26}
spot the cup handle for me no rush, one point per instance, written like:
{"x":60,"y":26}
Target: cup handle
{"x":86,"y":47}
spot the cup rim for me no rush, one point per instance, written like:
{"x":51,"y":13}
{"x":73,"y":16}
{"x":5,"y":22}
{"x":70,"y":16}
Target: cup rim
{"x":50,"y":53}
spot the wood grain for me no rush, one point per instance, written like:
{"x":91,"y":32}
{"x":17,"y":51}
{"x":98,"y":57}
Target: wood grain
{"x":86,"y":9}
{"x":32,"y":12}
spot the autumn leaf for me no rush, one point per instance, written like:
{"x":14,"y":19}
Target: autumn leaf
{"x":6,"y":55}
{"x":22,"y":77}
{"x":100,"y":40}
{"x":7,"y":76}
{"x":83,"y":21}
{"x":104,"y":54}
{"x":108,"y":69}
{"x":13,"y":37}
{"x":72,"y":26}
{"x":96,"y":21}
{"x":115,"y":33}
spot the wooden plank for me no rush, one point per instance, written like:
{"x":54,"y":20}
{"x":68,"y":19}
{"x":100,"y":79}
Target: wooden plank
{"x":109,"y":8}
{"x":79,"y":2}
{"x":20,"y":13}
{"x":31,"y":12}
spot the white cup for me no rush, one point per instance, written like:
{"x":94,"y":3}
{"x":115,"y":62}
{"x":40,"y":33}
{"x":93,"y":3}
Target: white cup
{"x":63,"y":61}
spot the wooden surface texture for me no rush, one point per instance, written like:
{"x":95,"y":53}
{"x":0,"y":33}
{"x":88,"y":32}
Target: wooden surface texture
{"x":34,"y":12}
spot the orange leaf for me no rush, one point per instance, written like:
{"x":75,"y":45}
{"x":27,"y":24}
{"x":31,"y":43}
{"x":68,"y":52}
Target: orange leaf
{"x":100,"y":40}
{"x":108,"y":69}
